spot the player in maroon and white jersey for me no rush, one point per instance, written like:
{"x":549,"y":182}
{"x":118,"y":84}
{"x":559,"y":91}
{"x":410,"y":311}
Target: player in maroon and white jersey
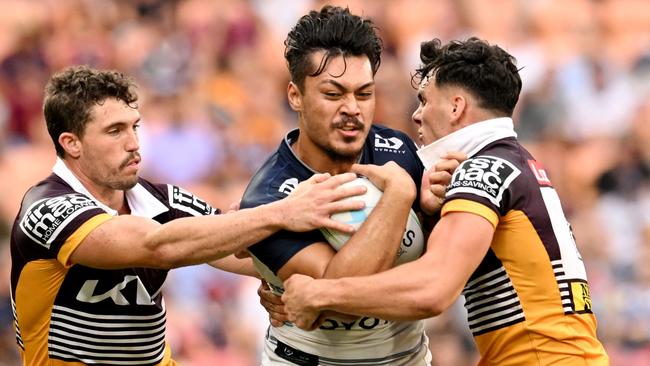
{"x":92,"y":243}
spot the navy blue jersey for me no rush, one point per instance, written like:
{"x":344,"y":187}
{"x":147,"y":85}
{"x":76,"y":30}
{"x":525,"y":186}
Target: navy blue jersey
{"x":282,"y":172}
{"x":367,"y":340}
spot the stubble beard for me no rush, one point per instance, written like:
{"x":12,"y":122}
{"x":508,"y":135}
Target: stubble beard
{"x":338,"y":156}
{"x":115,"y":183}
{"x":125,"y":183}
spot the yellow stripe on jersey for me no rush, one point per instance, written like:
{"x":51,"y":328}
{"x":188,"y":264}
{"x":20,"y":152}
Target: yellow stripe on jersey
{"x":78,"y":236}
{"x":43,"y":277}
{"x":461,"y":205}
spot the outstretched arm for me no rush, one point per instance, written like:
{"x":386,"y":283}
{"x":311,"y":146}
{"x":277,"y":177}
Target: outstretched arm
{"x":131,"y":241}
{"x":415,"y":290}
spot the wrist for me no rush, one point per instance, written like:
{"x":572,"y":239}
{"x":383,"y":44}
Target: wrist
{"x":403,"y":192}
{"x":325,"y":294}
{"x":272,"y":215}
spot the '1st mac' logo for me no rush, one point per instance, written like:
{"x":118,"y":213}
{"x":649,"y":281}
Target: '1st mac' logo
{"x":485,"y":176}
{"x":46,"y":218}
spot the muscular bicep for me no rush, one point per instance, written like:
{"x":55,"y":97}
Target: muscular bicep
{"x":119,"y":242}
{"x":311,"y":261}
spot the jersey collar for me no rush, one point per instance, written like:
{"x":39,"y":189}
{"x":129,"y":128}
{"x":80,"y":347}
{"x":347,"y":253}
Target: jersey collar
{"x":470,"y":139}
{"x":291,"y":138}
{"x":141,"y":202}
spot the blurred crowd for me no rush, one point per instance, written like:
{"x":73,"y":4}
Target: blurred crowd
{"x":212,"y":81}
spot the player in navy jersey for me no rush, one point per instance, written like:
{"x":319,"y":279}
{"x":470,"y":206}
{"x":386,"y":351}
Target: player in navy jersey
{"x":333,"y":56}
{"x":502,"y":240}
{"x":92,"y":242}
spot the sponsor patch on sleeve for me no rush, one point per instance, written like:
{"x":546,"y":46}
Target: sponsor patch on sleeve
{"x":485,"y":176}
{"x":46,"y":218}
{"x":540,"y":173}
{"x":581,"y":297}
{"x":185,"y":201}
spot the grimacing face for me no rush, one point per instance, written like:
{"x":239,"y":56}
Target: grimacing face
{"x":337,"y":107}
{"x":110,"y":145}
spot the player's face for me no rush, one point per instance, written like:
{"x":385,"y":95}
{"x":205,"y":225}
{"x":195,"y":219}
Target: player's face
{"x":337,"y":107}
{"x":433,"y":113}
{"x":110,"y":145}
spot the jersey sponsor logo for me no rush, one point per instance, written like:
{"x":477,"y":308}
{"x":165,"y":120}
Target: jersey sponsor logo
{"x":46,"y":218}
{"x":288,"y":186}
{"x":485,"y":176}
{"x":540,"y":173}
{"x":391,"y":144}
{"x":361,"y":323}
{"x":580,"y":297}
{"x":185,"y":201}
{"x":142,"y":297}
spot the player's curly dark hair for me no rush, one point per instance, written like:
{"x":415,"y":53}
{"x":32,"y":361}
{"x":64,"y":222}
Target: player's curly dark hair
{"x":334,"y":30}
{"x":72,"y":92}
{"x":486,"y":71}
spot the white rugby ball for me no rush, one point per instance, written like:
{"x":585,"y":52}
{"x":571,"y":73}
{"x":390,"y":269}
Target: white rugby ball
{"x":412,"y":241}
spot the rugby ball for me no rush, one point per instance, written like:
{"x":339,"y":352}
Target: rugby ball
{"x":412,"y":241}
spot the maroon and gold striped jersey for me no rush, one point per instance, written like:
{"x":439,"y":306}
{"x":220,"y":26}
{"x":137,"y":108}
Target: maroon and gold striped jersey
{"x":528,"y":302}
{"x":70,"y":314}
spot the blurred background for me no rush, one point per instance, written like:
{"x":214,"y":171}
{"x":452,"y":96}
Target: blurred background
{"x":212,"y":81}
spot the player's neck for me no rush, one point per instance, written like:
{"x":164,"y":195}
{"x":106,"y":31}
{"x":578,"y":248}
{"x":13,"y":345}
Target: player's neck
{"x":113,"y":198}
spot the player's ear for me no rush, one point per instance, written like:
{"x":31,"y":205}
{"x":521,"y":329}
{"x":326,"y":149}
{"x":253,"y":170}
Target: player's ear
{"x":294,"y":96}
{"x":70,"y":143}
{"x":458,"y":106}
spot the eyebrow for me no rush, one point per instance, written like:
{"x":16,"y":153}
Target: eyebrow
{"x":341,"y":87}
{"x":117,"y":123}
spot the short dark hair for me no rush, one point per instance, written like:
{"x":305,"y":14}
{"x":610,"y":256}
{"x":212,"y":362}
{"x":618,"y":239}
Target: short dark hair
{"x":486,"y":71}
{"x":334,"y":30}
{"x":72,"y":92}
